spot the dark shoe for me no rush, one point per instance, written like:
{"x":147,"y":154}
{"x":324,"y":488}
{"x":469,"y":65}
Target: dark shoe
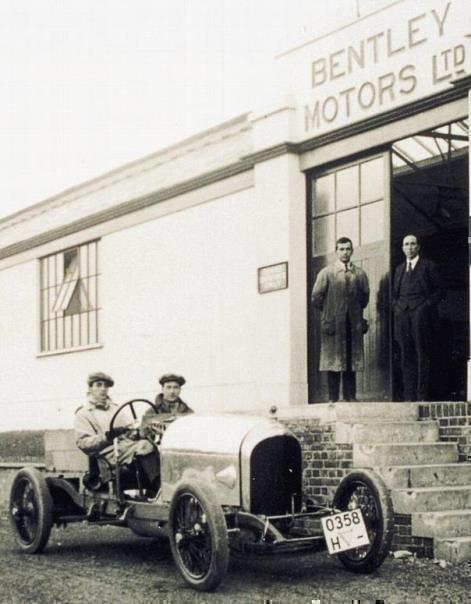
{"x":351,"y":400}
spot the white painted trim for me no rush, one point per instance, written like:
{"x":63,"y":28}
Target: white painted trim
{"x":211,"y":192}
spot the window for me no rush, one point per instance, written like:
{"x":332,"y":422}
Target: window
{"x":348,"y":202}
{"x":69,"y":298}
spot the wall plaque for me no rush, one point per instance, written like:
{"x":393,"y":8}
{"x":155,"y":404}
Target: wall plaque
{"x":272,"y":277}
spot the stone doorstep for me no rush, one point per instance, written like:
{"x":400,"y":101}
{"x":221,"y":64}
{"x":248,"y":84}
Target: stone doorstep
{"x":444,"y":524}
{"x":426,"y":475}
{"x":431,"y":499}
{"x":349,"y":412}
{"x":374,"y":455}
{"x":383,"y":432}
{"x":453,"y":550}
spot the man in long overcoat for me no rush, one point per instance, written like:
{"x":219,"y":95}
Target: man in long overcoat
{"x":341,"y":292}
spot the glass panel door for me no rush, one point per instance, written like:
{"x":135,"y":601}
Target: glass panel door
{"x":352,"y":201}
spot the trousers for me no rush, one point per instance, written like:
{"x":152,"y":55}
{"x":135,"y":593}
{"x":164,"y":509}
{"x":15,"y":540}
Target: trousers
{"x":413,"y":330}
{"x":348,"y":377}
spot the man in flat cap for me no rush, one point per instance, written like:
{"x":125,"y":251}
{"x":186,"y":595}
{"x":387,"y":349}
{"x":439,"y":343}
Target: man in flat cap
{"x":168,"y":404}
{"x":169,"y":401}
{"x":93,"y":434}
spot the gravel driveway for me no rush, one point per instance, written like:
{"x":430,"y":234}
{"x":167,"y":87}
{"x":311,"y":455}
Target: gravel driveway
{"x":111,"y":565}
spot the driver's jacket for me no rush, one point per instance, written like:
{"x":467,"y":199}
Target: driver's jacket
{"x":90,"y":425}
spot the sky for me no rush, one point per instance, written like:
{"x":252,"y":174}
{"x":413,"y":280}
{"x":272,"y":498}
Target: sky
{"x":89,"y":85}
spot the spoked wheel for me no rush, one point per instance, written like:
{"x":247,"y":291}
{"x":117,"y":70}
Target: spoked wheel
{"x":365,"y":490}
{"x":198,"y":536}
{"x":31,"y":510}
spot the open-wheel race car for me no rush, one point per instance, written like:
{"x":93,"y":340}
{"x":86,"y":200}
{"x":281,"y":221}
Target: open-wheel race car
{"x":229,"y":483}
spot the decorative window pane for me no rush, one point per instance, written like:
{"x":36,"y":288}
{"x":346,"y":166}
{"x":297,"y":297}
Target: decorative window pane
{"x":347,"y":225}
{"x":348,"y":190}
{"x":323,"y":239}
{"x":68,"y":308}
{"x":372,"y":180}
{"x":323,"y":195}
{"x":372,"y":222}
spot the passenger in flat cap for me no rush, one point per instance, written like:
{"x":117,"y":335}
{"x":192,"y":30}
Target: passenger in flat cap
{"x":168,"y":404}
{"x":93,"y":434}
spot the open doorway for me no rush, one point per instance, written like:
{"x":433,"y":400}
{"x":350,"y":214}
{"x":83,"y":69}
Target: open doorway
{"x":430,"y":199}
{"x":351,"y":199}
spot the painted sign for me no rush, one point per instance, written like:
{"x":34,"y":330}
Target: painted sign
{"x":410,"y":50}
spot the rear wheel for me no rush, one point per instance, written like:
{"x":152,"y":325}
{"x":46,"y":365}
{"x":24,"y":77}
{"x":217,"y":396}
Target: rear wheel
{"x":198,"y":536}
{"x":31,"y":510}
{"x":365,"y":490}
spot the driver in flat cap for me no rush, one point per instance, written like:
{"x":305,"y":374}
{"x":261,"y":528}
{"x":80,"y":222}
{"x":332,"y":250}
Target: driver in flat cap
{"x":93,"y":435}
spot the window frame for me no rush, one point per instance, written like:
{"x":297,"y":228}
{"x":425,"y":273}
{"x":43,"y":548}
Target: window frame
{"x":60,"y":331}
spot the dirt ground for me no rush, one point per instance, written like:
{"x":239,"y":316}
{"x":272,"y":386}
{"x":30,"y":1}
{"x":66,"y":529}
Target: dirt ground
{"x":111,"y":565}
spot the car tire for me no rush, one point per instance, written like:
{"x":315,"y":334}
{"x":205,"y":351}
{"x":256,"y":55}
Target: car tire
{"x":31,"y":510}
{"x":198,"y":536}
{"x":365,"y":489}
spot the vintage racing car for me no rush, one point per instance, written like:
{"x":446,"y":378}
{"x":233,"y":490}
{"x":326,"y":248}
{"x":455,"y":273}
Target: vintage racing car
{"x":229,"y":483}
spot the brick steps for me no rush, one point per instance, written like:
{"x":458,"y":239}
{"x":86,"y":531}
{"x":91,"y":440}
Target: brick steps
{"x":444,"y":524}
{"x":370,"y":432}
{"x":374,"y":455}
{"x":427,"y":482}
{"x":426,"y":475}
{"x":455,"y":550}
{"x":348,"y":412}
{"x":407,"y":501}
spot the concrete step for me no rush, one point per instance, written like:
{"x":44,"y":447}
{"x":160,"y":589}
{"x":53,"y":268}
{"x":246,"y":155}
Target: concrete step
{"x":364,"y":432}
{"x":372,"y":456}
{"x":443,"y":524}
{"x":431,"y":499}
{"x":426,"y":475}
{"x":456,"y":550}
{"x":346,"y":412}
{"x":351,"y":412}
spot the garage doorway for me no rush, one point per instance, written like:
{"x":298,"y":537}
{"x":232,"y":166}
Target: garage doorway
{"x":430,"y":199}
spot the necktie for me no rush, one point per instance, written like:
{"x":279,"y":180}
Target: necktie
{"x":409,"y":267}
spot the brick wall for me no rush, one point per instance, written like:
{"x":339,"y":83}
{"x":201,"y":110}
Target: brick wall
{"x":325,"y":461}
{"x":403,"y":539}
{"x":454,"y":420}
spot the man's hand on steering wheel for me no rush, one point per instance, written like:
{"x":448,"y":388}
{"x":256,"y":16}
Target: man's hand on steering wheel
{"x":131,"y":431}
{"x":115,"y":432}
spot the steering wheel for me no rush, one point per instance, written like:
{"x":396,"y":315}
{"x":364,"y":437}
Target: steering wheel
{"x":157,"y":425}
{"x":129,"y":404}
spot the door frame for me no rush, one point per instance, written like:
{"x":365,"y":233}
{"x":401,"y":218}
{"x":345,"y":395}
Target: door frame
{"x":311,"y":175}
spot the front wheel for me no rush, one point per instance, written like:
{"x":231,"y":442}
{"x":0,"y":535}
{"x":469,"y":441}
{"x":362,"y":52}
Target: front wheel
{"x":198,"y":536}
{"x":31,"y":510}
{"x":365,"y":490}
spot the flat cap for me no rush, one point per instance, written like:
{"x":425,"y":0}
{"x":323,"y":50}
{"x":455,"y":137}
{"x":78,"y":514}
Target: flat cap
{"x":99,"y":376}
{"x":171,"y":377}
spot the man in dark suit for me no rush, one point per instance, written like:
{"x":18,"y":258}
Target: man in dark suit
{"x":417,"y":292}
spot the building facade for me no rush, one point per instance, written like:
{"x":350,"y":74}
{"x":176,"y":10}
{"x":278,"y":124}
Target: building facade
{"x":200,"y":258}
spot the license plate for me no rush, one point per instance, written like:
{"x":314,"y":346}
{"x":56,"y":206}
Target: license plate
{"x":344,"y":531}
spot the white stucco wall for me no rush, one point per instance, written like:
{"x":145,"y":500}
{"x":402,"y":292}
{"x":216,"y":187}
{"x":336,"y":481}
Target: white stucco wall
{"x":178,"y":294}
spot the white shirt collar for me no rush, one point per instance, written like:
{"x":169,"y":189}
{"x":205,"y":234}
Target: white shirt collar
{"x":413,"y":262}
{"x":341,"y":265}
